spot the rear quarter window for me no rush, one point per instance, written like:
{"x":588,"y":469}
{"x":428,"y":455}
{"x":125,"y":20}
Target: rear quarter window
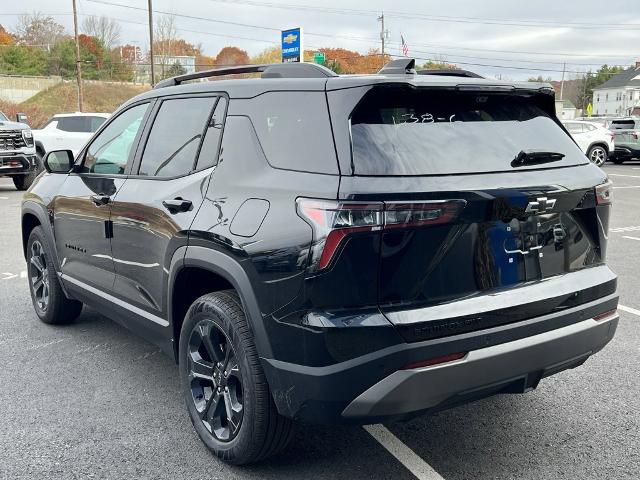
{"x":294,"y":130}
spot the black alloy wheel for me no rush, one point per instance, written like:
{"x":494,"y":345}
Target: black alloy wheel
{"x":216,"y":380}
{"x":225,"y":388}
{"x":49,"y":300}
{"x":39,"y":276}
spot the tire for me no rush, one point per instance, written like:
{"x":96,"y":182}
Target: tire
{"x":20,"y":182}
{"x":598,"y":155}
{"x":618,"y":160}
{"x":214,"y":390}
{"x":49,"y":301}
{"x":23,"y":182}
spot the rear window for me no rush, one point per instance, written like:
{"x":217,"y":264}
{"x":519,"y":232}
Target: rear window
{"x":623,"y":125}
{"x":435,"y":132}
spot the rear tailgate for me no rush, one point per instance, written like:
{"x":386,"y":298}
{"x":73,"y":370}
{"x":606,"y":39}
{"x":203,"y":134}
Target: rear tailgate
{"x":463,"y":219}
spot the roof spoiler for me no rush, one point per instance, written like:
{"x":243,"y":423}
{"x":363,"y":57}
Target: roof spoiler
{"x":450,"y":72}
{"x":268,"y":70}
{"x":402,"y":66}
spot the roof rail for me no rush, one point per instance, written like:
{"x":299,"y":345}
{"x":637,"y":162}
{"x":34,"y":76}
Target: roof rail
{"x":450,"y":72}
{"x":401,"y":66}
{"x":268,"y":70}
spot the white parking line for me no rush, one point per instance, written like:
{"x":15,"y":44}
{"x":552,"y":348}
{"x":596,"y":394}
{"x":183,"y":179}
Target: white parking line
{"x":627,"y":186}
{"x":407,"y":457}
{"x":631,"y":238}
{"x":623,"y":175}
{"x":629,"y":310}
{"x":4,"y":198}
{"x":625,"y":229}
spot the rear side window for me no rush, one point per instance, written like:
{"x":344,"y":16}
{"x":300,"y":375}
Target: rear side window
{"x":402,"y":131}
{"x":74,"y":124}
{"x":574,"y":127}
{"x":175,"y":136}
{"x":208,"y":156}
{"x":295,"y":131}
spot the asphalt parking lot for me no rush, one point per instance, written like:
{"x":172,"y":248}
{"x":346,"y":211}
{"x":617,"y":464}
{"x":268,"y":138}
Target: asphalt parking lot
{"x":90,"y":400}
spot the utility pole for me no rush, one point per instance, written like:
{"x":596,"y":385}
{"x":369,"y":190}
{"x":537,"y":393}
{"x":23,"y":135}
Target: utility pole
{"x":564,"y":66}
{"x":383,"y":34}
{"x":78,"y":67}
{"x":153,"y":77}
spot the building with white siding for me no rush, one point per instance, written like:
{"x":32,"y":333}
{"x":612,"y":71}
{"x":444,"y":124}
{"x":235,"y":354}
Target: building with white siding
{"x":620,"y":95}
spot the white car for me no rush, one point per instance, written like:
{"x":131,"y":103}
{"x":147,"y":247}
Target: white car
{"x":594,"y":140}
{"x":67,"y":131}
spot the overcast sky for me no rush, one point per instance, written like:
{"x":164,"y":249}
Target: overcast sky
{"x":470,"y":33}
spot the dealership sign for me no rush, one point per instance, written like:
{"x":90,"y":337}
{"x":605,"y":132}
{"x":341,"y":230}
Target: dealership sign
{"x":292,"y":49}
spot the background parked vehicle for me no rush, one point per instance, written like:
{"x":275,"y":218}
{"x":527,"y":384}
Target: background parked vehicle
{"x":603,"y":121}
{"x":18,"y":158}
{"x":67,"y":131}
{"x":627,"y":138}
{"x":593,"y":139}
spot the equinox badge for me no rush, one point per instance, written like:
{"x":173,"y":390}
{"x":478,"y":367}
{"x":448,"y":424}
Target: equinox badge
{"x":542,"y":204}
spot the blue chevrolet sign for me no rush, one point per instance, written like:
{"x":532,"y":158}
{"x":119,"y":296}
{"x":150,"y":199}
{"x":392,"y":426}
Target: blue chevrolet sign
{"x":292,"y":50}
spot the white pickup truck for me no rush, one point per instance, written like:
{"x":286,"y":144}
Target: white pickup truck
{"x":67,"y":131}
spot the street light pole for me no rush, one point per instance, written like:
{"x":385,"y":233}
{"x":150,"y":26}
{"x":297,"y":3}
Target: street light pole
{"x":153,"y":77}
{"x":78,"y":67}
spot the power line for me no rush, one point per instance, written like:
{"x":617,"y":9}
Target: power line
{"x":359,"y":39}
{"x":438,"y":18}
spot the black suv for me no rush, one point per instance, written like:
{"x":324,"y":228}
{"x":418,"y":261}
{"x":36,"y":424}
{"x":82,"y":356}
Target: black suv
{"x":321,"y":248}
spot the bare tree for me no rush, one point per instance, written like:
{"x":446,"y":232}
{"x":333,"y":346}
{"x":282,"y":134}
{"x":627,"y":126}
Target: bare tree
{"x":38,"y":29}
{"x":105,"y":29}
{"x":164,"y":37}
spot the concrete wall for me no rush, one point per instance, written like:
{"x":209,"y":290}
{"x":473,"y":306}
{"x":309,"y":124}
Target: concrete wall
{"x":17,"y":89}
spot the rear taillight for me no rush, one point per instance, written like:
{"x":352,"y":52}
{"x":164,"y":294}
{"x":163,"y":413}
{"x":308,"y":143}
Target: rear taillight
{"x":604,"y":193}
{"x":399,"y":215}
{"x":333,"y":221}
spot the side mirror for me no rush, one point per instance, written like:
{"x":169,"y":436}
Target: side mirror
{"x":59,"y":161}
{"x":21,"y":117}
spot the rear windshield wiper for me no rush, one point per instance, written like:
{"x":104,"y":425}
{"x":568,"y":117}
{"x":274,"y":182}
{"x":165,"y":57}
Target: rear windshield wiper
{"x":535,"y":157}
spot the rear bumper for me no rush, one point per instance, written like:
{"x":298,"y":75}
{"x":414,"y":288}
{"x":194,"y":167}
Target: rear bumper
{"x":502,"y":359}
{"x":513,"y":366}
{"x":626,"y":152}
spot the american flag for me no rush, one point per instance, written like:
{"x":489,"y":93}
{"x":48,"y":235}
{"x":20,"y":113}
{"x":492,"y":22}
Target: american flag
{"x":405,"y":47}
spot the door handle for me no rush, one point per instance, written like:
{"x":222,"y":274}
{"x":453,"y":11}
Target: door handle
{"x":100,"y":199}
{"x":177,"y":205}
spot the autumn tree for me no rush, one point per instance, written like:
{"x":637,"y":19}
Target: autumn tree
{"x":268,"y":55}
{"x":5,"y":37}
{"x":105,"y":29}
{"x":232,"y":56}
{"x":39,"y":30}
{"x":439,"y":65}
{"x":204,"y":62}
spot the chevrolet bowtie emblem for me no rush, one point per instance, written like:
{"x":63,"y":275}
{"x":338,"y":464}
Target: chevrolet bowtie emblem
{"x":540,"y":205}
{"x":290,"y":38}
